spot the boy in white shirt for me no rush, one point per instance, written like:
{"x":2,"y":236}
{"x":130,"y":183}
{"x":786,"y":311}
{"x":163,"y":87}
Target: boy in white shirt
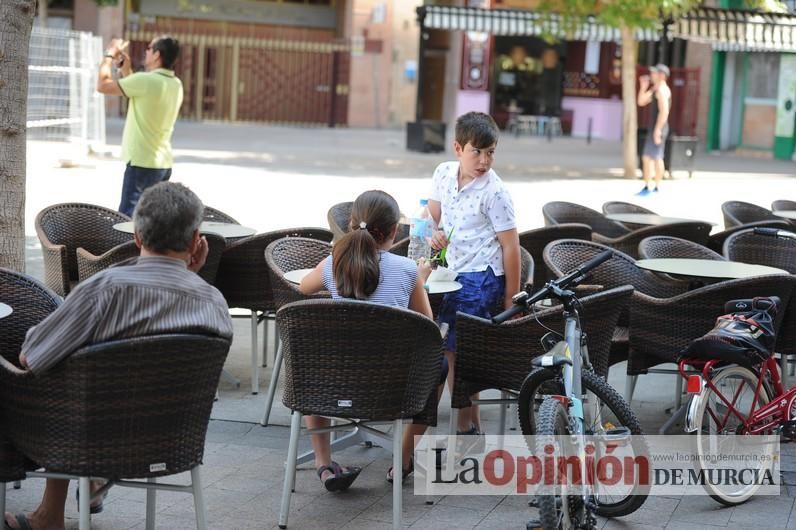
{"x":469,"y":202}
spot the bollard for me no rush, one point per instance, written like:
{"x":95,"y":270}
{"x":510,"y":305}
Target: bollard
{"x":588,"y":132}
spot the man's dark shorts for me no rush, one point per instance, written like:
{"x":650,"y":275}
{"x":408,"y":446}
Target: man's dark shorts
{"x":136,"y":180}
{"x":652,"y":150}
{"x":480,"y":294}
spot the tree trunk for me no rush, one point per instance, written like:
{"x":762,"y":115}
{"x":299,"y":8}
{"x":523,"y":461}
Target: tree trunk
{"x":16,"y":20}
{"x":629,"y":114}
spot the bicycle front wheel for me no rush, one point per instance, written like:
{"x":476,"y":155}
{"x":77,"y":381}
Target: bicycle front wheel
{"x":558,"y":511}
{"x":604,"y":409}
{"x":724,"y":412}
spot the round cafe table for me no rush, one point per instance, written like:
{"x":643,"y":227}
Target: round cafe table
{"x":297,"y":275}
{"x":649,"y":219}
{"x":225,"y":230}
{"x":787,"y":214}
{"x":706,"y":268}
{"x":5,"y":310}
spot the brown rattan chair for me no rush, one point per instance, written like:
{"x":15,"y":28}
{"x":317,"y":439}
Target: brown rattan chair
{"x":401,"y":247}
{"x":626,"y":207}
{"x":558,"y":212}
{"x":216,"y":245}
{"x":535,"y":240}
{"x":695,"y":231}
{"x":31,"y":302}
{"x":748,"y":247}
{"x":62,"y":228}
{"x":217,"y":216}
{"x":244,"y":281}
{"x":499,"y":356}
{"x":127,"y":409}
{"x":674,"y":247}
{"x":716,"y":241}
{"x":739,"y":213}
{"x":384,"y":371}
{"x":88,"y":264}
{"x":783,"y":205}
{"x":339,"y":218}
{"x":281,"y":256}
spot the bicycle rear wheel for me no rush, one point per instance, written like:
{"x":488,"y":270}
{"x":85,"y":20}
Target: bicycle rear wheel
{"x":738,"y":386}
{"x":559,"y":511}
{"x":604,"y":409}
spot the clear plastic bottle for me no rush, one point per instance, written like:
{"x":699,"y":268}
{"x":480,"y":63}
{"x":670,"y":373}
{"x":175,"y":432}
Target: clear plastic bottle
{"x":419,"y":229}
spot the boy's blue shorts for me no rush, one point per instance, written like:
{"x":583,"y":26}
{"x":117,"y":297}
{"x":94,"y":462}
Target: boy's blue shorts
{"x":481,"y":292}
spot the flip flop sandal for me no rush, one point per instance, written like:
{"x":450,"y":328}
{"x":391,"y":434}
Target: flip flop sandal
{"x":93,"y":508}
{"x":342,"y":478}
{"x":22,"y":522}
{"x":406,"y":472}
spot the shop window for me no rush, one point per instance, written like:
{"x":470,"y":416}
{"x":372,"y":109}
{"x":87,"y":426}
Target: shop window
{"x":763,"y":75}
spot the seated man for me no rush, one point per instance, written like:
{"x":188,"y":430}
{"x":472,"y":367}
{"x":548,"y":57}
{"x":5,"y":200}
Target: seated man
{"x":161,"y":293}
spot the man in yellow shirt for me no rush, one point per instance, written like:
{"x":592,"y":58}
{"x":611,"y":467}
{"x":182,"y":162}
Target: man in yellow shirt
{"x":155,"y":98}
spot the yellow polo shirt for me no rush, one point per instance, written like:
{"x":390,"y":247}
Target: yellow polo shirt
{"x":155,"y":99}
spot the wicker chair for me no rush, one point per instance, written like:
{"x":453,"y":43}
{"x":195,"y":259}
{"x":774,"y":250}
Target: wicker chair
{"x":626,"y":207}
{"x":62,"y":228}
{"x":695,"y":231}
{"x":499,"y":356}
{"x":216,"y":245}
{"x":748,"y":247}
{"x":739,"y":213}
{"x":716,"y":241}
{"x":281,"y":256}
{"x":31,"y":303}
{"x":535,"y":240}
{"x":217,"y":216}
{"x":387,"y":370}
{"x":674,"y":247}
{"x":401,"y":247}
{"x":88,"y":264}
{"x":783,"y":205}
{"x":339,"y":218}
{"x":244,"y":281}
{"x":558,"y":212}
{"x":132,"y":408}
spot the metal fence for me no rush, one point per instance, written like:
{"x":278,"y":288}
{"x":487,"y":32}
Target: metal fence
{"x":63,"y":104}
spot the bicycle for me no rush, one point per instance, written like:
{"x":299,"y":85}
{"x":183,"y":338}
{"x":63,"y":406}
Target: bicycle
{"x":563,"y":396}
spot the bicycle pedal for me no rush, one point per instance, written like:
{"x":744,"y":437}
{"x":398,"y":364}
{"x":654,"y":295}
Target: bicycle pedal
{"x":788,"y":430}
{"x":533,"y":524}
{"x":618,"y":436}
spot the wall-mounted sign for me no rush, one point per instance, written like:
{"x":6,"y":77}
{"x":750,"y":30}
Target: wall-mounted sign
{"x":476,"y":52}
{"x":277,"y":14}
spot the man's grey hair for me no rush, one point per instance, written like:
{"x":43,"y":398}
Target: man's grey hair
{"x":166,"y":217}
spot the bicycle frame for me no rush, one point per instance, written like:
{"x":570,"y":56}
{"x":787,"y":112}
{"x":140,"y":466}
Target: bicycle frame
{"x":758,"y":420}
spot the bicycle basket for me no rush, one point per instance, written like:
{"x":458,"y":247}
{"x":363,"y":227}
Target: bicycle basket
{"x":742,"y":337}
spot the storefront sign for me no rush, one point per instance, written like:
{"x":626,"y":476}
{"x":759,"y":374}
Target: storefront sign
{"x":273,"y":13}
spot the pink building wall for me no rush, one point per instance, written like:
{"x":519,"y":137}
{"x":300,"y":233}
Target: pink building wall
{"x":605,"y":114}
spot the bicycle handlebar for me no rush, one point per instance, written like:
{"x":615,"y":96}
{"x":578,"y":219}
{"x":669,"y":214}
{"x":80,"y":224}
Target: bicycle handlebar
{"x":774,"y":232}
{"x":523,"y":300}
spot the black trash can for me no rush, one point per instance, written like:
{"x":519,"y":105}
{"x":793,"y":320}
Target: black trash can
{"x":427,"y":136}
{"x":679,"y":152}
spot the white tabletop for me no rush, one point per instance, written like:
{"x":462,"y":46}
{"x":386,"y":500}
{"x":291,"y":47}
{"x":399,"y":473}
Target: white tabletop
{"x":5,"y":310}
{"x":788,"y":214}
{"x":649,"y":219}
{"x":226,"y":230}
{"x":442,"y":287}
{"x":706,"y":268}
{"x":297,"y":275}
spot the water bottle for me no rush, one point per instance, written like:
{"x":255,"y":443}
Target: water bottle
{"x":419,"y":231}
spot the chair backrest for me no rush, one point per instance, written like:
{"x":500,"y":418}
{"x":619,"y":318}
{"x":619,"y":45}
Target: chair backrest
{"x":216,"y":245}
{"x":624,"y":207}
{"x":535,"y":240}
{"x":783,"y":205}
{"x":674,"y":247}
{"x":30,"y":301}
{"x":356,"y":359}
{"x":88,"y":264}
{"x":716,"y":241}
{"x":738,"y":213}
{"x":79,"y":225}
{"x":217,"y":216}
{"x":339,"y":218}
{"x":558,"y":212}
{"x":135,"y":407}
{"x":289,"y":254}
{"x":243,"y":276}
{"x":748,"y":247}
{"x":400,"y":247}
{"x":564,"y":256}
{"x":695,"y":231}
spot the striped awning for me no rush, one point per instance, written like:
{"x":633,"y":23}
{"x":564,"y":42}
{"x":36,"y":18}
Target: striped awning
{"x":738,"y":30}
{"x":516,"y":22}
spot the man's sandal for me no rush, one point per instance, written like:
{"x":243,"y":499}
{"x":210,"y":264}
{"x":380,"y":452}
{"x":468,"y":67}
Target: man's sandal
{"x":342,"y":478}
{"x":405,"y":473}
{"x":21,"y":520}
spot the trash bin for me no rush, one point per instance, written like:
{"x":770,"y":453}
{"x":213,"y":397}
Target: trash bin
{"x":678,"y":154}
{"x":426,"y":136}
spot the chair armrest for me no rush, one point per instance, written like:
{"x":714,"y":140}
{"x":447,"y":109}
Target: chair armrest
{"x":88,"y":264}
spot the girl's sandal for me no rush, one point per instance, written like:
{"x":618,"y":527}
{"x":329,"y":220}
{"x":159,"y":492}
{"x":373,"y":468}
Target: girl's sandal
{"x":342,"y":478}
{"x":406,"y":471}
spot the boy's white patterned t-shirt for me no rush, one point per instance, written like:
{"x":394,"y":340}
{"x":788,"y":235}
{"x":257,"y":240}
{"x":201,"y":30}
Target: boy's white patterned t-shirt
{"x":476,"y":213}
